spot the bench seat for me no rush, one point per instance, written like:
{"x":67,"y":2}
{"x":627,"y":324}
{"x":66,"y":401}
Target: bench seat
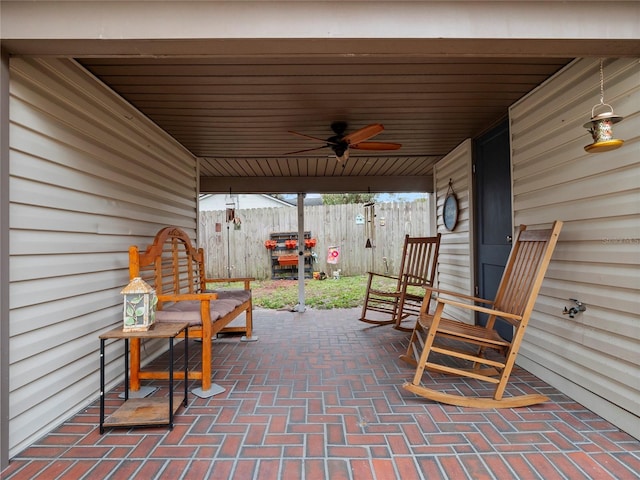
{"x":189,"y":311}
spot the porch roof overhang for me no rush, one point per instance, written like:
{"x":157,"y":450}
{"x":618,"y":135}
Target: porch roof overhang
{"x":229,"y":80}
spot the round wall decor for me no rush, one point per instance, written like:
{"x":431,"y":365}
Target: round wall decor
{"x":450,"y":209}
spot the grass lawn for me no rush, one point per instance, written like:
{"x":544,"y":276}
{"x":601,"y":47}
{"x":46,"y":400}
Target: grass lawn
{"x":346,"y":292}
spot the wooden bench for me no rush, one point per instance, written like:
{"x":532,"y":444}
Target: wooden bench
{"x":176,"y":270}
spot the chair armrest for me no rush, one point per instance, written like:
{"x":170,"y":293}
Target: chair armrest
{"x":458,"y":294}
{"x":393,"y":277}
{"x":182,"y":297}
{"x":477,"y":308}
{"x":246,"y":280}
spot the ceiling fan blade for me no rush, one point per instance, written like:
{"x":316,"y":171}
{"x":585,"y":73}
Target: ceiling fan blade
{"x":323,"y":140}
{"x":376,"y":146}
{"x":363,"y":134}
{"x":306,"y":150}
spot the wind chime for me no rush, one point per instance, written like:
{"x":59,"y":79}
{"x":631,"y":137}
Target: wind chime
{"x":370,"y":223}
{"x":370,"y":230}
{"x":232,"y":218}
{"x":601,"y":125}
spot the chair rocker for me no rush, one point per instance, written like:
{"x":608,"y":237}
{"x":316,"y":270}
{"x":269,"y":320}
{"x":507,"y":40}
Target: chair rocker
{"x":398,"y":302}
{"x":453,"y":347}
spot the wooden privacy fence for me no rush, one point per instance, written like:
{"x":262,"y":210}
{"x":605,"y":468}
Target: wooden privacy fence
{"x":235,"y":250}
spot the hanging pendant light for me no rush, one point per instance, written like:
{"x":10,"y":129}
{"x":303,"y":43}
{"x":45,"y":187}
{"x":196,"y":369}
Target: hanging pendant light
{"x":601,"y":124}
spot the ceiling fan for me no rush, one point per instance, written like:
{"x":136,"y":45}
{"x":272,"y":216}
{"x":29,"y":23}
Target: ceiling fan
{"x":341,"y":143}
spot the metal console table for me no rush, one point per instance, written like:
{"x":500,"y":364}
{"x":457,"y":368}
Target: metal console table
{"x":144,"y":411}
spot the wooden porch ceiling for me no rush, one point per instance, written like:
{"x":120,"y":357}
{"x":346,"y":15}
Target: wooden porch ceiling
{"x":234,"y":113}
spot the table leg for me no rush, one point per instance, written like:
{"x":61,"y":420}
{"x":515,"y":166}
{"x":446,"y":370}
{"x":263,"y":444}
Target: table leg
{"x":171,"y":382}
{"x":101,"y":386}
{"x":186,"y":363}
{"x":126,"y":369}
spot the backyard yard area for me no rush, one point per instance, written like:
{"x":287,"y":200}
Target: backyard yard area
{"x":345,"y":292}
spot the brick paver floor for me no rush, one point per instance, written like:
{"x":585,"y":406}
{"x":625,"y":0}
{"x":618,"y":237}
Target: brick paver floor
{"x":319,"y":396}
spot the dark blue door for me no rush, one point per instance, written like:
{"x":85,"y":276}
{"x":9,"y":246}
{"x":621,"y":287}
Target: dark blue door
{"x":492,"y":200}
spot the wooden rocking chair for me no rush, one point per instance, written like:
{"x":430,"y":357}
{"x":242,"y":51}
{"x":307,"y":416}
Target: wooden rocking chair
{"x":417,"y":269}
{"x":442,"y":338}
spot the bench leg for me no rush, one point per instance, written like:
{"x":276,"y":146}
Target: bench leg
{"x":207,"y":389}
{"x":134,"y":364}
{"x":135,"y":389}
{"x":206,"y":364}
{"x":248,"y":336}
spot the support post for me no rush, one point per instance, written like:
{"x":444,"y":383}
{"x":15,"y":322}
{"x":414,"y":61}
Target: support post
{"x":301,"y":306}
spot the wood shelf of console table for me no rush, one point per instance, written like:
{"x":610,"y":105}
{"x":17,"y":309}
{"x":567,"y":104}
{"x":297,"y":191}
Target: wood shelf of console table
{"x":142,"y":411}
{"x":154,"y":411}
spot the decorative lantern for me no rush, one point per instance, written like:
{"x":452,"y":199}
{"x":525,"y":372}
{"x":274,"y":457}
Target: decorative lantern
{"x":140,"y":302}
{"x":601,"y":125}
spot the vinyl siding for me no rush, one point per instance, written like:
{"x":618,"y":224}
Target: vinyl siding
{"x":594,"y":357}
{"x":455,"y":259}
{"x":89,"y":176}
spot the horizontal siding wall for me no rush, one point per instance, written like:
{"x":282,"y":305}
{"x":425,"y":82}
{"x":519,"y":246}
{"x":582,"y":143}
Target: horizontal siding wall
{"x":594,"y":357}
{"x":455,"y":259}
{"x":89,"y":176}
{"x":243,"y":252}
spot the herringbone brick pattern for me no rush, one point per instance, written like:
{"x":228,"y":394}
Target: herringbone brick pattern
{"x":319,"y":396}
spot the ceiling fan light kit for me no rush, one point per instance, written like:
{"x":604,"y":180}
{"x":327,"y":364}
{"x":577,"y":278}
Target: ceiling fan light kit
{"x":342,"y":155}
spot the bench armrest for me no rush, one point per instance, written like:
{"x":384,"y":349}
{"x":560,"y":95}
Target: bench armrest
{"x":182,"y":297}
{"x":245,"y":280}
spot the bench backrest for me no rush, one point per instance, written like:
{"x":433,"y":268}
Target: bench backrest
{"x":170,"y":264}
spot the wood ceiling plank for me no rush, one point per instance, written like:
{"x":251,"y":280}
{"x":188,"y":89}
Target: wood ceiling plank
{"x":153,"y":86}
{"x":267,"y":59}
{"x":320,"y":70}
